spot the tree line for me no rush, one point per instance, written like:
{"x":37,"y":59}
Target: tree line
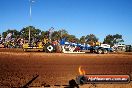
{"x":57,"y":35}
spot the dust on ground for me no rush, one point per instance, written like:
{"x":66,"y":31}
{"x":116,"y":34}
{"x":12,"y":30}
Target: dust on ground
{"x":18,"y":67}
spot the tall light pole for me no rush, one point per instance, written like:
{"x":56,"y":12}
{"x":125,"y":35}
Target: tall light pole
{"x":30,"y":14}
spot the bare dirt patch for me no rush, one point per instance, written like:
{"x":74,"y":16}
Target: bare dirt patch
{"x":18,"y":67}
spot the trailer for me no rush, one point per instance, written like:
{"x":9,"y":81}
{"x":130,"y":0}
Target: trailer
{"x":83,"y":48}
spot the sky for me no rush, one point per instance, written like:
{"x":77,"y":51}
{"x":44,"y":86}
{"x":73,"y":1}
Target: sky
{"x":78,"y":17}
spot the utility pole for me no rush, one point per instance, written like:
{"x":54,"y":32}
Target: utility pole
{"x":30,"y":14}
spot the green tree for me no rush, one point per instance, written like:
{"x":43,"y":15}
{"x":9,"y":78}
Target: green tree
{"x":14,"y":32}
{"x":109,"y":40}
{"x":82,"y":39}
{"x":0,"y":36}
{"x":91,"y":38}
{"x":44,"y":34}
{"x":56,"y":35}
{"x":63,"y":33}
{"x":113,"y":39}
{"x":72,"y":38}
{"x":117,"y":39}
{"x":4,"y":34}
{"x":34,"y":32}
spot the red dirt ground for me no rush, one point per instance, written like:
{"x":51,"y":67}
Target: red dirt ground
{"x":18,"y":67}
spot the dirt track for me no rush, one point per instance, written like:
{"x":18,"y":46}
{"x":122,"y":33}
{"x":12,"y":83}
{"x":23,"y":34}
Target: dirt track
{"x":18,"y":67}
